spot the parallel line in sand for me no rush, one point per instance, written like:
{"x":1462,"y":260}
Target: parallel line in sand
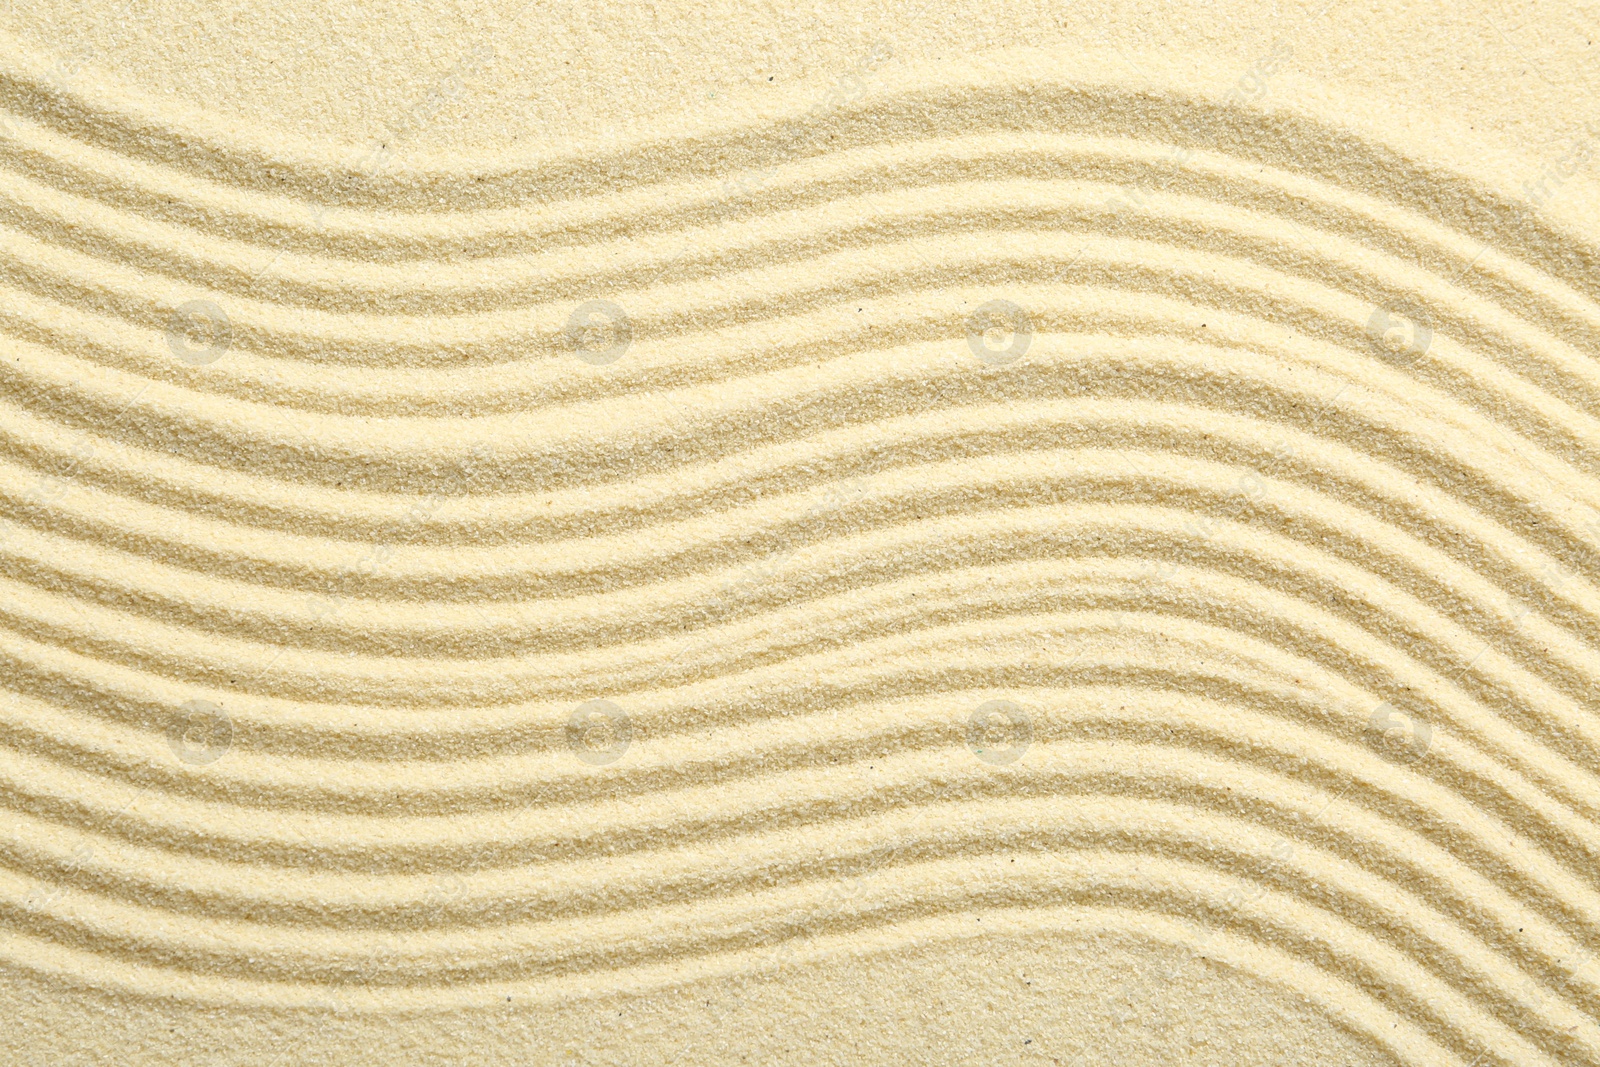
{"x":1484,"y":769}
{"x":1311,"y":866}
{"x":840,"y":399}
{"x":783,"y":520}
{"x":1023,"y":482}
{"x":1349,"y":1003}
{"x":799,"y":539}
{"x":1271,"y":919}
{"x":1248,"y":608}
{"x":571,"y":881}
{"x":1036,"y":99}
{"x":896,"y":567}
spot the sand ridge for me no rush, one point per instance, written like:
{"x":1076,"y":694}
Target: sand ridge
{"x":1004,"y":498}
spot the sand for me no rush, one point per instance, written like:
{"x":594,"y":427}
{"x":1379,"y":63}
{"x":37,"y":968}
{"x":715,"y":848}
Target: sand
{"x":714,"y":535}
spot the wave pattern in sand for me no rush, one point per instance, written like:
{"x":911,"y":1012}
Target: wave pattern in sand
{"x":422,"y":588}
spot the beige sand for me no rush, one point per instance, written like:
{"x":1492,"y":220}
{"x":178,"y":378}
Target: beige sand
{"x":706,"y":535}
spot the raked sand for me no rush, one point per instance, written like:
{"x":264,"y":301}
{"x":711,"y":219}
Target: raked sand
{"x":705,"y":535}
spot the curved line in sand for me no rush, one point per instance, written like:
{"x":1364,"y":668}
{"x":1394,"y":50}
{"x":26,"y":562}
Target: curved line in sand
{"x":1350,"y":1004}
{"x":1149,"y":754}
{"x":1026,"y":94}
{"x":426,"y":334}
{"x":1271,"y":922}
{"x":890,"y":516}
{"x":1307,"y":874}
{"x":1398,"y":419}
{"x":938,"y":562}
{"x":1176,"y":776}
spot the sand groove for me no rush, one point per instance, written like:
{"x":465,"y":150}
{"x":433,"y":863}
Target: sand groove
{"x":1282,"y":535}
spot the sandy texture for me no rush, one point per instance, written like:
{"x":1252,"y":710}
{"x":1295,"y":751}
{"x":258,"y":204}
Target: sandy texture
{"x":712,"y":536}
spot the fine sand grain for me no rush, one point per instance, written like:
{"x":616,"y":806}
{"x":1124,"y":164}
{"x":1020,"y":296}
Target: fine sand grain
{"x":1080,"y":551}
